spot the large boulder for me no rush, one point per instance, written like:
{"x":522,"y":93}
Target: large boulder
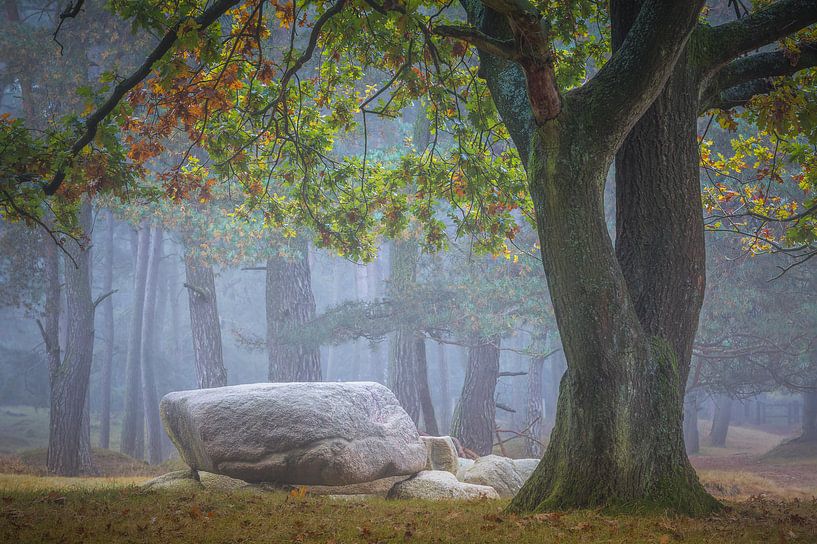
{"x":376,"y":488}
{"x":463,"y":465}
{"x":442,"y":454}
{"x":295,"y":433}
{"x":525,"y":467}
{"x":438,"y":485}
{"x":501,"y":473}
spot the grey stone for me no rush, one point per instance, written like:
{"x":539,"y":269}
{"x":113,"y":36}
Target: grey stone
{"x":376,"y":488}
{"x":438,"y":485}
{"x":442,"y":454}
{"x":525,"y":467}
{"x":178,"y":480}
{"x":463,"y":464}
{"x":295,"y":433}
{"x":497,"y":472}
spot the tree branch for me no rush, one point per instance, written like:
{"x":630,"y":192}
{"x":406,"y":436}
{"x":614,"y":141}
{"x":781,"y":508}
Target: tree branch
{"x":758,"y":66}
{"x":504,"y":374}
{"x":766,"y":25}
{"x":636,"y":73}
{"x":198,"y":290}
{"x":207,"y":17}
{"x":101,"y":298}
{"x":739,"y":95}
{"x":499,"y":48}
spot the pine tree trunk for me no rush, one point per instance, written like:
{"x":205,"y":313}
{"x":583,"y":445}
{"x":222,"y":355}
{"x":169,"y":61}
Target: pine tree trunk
{"x":720,"y":421}
{"x":133,"y":422}
{"x":809,"y":425}
{"x":107,"y":334}
{"x":445,"y":389}
{"x":290,"y":304}
{"x":68,"y":453}
{"x":535,"y":412}
{"x":692,"y":441}
{"x":474,"y":419}
{"x":204,"y":322}
{"x":423,"y":391}
{"x":150,"y":351}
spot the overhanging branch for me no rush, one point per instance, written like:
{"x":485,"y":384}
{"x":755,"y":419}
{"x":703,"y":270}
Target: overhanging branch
{"x":499,"y":48}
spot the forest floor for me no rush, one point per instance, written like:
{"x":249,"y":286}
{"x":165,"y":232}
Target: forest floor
{"x":769,"y":499}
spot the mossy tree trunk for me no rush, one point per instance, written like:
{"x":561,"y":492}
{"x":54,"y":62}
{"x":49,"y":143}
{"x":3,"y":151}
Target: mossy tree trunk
{"x":290,"y":303}
{"x":474,"y":419}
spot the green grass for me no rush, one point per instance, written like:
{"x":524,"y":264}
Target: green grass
{"x":127,"y":514}
{"x":25,"y":428}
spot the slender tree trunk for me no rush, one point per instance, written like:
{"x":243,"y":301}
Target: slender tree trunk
{"x":692,"y":441}
{"x":150,"y":351}
{"x":535,"y":412}
{"x":720,"y":421}
{"x":68,"y":453}
{"x":809,"y":426}
{"x":445,"y":389}
{"x":290,"y":304}
{"x":133,"y":423}
{"x":204,"y":322}
{"x":474,"y":420}
{"x":424,"y":393}
{"x":107,"y":334}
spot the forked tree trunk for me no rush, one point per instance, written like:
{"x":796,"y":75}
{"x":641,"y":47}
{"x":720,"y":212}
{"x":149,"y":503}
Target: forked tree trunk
{"x":403,"y":373}
{"x":68,"y":453}
{"x":150,"y":352}
{"x":618,"y":436}
{"x":474,"y":419}
{"x":424,"y":393}
{"x":204,"y":322}
{"x":535,"y":413}
{"x":290,"y":304}
{"x":133,"y":423}
{"x":720,"y":421}
{"x":107,"y":334}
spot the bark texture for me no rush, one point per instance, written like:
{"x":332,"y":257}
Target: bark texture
{"x":133,"y":423}
{"x":204,"y":322}
{"x":474,"y":419}
{"x":290,"y":304}
{"x":424,"y":392}
{"x":809,"y":426}
{"x":692,"y":440}
{"x":69,"y":372}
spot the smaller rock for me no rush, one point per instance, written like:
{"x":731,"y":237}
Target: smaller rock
{"x":525,"y":467}
{"x":442,"y":454}
{"x":221,"y":482}
{"x":178,"y":480}
{"x":463,"y":465}
{"x":376,"y":488}
{"x":439,"y":485}
{"x":497,"y":472}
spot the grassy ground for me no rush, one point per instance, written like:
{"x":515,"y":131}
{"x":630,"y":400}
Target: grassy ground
{"x":25,"y":427}
{"x":770,"y":499}
{"x":126,"y":514}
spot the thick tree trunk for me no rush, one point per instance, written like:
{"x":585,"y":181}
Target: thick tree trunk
{"x":617,"y":438}
{"x":720,"y":421}
{"x":204,"y":322}
{"x":809,"y":426}
{"x":133,"y":423}
{"x":290,"y":304}
{"x":423,"y":391}
{"x":150,"y":352}
{"x":403,"y":373}
{"x":535,"y":412}
{"x":68,"y":453}
{"x":107,"y":334}
{"x":474,"y":420}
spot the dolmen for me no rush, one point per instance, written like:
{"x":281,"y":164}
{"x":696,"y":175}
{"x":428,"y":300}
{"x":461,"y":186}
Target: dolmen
{"x":342,"y":439}
{"x":325,"y":433}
